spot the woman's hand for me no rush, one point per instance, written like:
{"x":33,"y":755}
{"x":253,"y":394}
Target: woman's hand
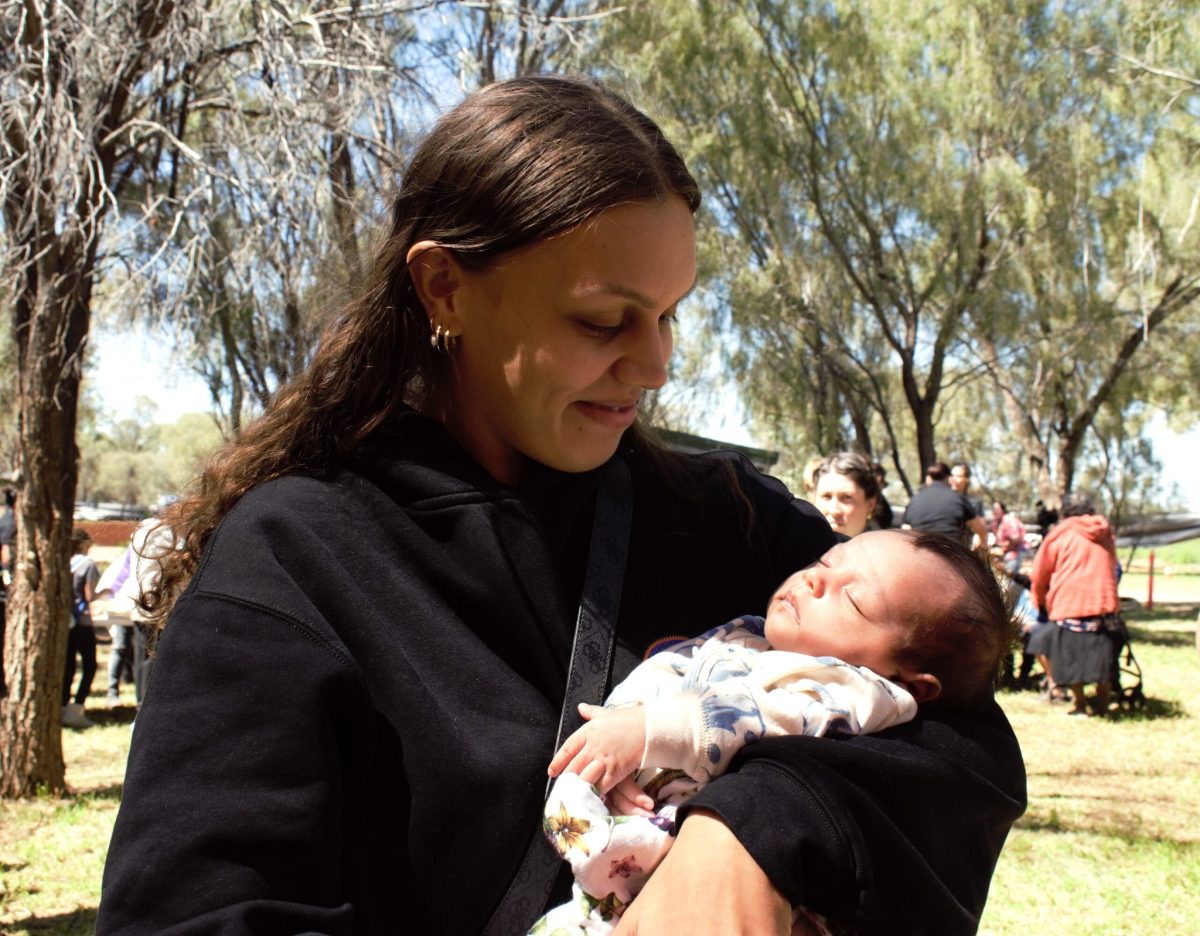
{"x":707,"y":884}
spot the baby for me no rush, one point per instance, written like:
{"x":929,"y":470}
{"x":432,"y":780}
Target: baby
{"x":852,"y":644}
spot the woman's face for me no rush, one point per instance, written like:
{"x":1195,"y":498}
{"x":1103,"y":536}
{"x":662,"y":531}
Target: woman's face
{"x":844,"y":504}
{"x":559,"y":340}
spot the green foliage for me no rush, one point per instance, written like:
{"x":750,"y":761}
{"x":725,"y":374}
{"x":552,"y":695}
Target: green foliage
{"x":136,"y":460}
{"x":940,"y":228}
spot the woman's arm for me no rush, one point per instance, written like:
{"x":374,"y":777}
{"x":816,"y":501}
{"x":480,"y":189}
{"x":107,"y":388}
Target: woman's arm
{"x":898,"y":831}
{"x":237,"y":786}
{"x":708,"y":884}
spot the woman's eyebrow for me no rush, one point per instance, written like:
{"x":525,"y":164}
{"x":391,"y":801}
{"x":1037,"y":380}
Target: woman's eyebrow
{"x":637,"y":297}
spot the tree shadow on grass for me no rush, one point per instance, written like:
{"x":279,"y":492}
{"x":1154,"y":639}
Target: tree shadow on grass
{"x":81,"y":922}
{"x":1182,"y":611}
{"x":111,"y":791}
{"x":1169,"y":639}
{"x":1151,"y":710}
{"x":118,"y":715}
{"x":1109,"y":821}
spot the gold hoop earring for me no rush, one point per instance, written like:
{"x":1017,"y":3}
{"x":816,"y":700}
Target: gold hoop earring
{"x":442,"y":341}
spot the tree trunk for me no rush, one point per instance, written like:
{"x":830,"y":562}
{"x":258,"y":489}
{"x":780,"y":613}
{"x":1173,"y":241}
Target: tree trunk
{"x":52,"y":324}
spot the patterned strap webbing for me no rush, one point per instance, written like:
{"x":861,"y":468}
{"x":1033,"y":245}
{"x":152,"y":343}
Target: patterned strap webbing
{"x":587,"y":681}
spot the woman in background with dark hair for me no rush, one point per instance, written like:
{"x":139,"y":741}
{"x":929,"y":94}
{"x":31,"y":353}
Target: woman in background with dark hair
{"x":846,"y":492}
{"x":1074,"y":580}
{"x":372,"y":606}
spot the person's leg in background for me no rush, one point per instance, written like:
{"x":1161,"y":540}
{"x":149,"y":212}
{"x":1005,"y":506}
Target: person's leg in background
{"x":121,"y":660}
{"x":77,"y":644}
{"x":87,"y":656}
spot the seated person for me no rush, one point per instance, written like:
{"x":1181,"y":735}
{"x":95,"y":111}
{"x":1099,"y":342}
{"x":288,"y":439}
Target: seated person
{"x":852,"y":644}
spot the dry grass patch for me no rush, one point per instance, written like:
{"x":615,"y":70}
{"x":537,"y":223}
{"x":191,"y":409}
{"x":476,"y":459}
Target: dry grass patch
{"x":52,"y":850}
{"x":1111,"y":840}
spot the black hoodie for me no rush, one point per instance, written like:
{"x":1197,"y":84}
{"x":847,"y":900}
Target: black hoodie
{"x":355,"y":700}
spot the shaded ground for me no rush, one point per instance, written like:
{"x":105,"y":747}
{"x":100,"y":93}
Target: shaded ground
{"x":1111,"y":839}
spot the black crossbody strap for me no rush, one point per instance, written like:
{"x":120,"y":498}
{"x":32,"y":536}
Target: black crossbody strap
{"x":587,"y":681}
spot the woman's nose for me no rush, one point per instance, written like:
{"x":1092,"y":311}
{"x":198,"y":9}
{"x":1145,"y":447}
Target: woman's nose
{"x":644,"y":363}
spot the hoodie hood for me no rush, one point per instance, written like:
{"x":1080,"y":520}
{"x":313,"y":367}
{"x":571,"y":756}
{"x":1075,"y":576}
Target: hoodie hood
{"x":1091,"y":526}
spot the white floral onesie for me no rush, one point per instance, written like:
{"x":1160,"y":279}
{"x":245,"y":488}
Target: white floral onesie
{"x":704,"y":700}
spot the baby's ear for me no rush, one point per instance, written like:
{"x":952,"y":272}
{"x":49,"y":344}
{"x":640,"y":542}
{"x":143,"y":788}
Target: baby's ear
{"x":924,"y":687}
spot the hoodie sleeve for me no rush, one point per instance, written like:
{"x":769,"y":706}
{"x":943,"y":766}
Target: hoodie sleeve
{"x":897,"y":832}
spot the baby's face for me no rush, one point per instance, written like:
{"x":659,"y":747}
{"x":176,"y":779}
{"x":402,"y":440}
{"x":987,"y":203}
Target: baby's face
{"x":859,"y":600}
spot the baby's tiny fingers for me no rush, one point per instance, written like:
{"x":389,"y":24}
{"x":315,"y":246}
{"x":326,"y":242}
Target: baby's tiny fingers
{"x":592,"y":773}
{"x":589,"y":711}
{"x":572,"y":746}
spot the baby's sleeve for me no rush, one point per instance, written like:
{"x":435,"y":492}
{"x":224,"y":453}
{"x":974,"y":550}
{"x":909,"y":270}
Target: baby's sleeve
{"x":700,"y":729}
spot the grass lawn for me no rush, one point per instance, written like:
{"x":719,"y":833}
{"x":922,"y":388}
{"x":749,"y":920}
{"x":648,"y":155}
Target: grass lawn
{"x":1111,"y":840}
{"x":1110,"y":843}
{"x":52,"y":850}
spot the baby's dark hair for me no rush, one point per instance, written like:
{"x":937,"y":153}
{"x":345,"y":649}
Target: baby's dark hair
{"x":964,"y":647}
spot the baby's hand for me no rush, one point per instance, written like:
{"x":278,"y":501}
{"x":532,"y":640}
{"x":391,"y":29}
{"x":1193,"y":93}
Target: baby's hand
{"x":607,"y":749}
{"x":629,"y":799}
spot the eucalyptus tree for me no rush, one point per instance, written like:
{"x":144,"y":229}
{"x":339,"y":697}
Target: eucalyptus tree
{"x":99,"y":102}
{"x":882,"y":178}
{"x":850,"y":154}
{"x":1107,"y":276}
{"x":284,"y":131}
{"x":73,"y":106}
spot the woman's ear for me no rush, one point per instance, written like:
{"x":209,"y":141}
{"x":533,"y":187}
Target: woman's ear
{"x":924,"y":687}
{"x":436,"y":276}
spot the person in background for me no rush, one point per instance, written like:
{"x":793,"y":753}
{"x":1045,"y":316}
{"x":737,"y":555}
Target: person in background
{"x":883,"y":510}
{"x":1008,"y":533}
{"x":152,"y":540}
{"x":120,"y":629}
{"x":960,"y":481}
{"x":846,"y":492}
{"x":373,"y":603}
{"x":938,"y":508}
{"x":135,"y":574}
{"x":1046,"y":517}
{"x":8,"y":551}
{"x":1074,"y":580}
{"x":81,"y":638}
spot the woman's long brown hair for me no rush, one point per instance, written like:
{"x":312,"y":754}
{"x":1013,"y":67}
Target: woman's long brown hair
{"x":515,"y":163}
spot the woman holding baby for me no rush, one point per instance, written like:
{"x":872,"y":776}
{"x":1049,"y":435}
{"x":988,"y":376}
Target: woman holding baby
{"x":357,"y":691}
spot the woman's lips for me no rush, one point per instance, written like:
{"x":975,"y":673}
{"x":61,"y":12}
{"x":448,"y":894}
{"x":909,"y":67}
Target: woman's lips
{"x":613,"y":415}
